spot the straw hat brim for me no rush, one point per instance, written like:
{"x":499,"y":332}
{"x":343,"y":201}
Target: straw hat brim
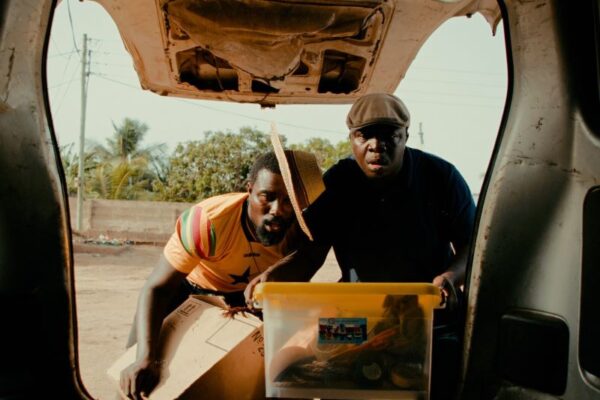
{"x":301,"y":175}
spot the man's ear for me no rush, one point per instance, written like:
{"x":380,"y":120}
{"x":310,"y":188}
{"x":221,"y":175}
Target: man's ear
{"x":249,"y":187}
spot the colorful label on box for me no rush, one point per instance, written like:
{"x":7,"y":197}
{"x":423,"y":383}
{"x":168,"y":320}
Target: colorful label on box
{"x":342,"y":330}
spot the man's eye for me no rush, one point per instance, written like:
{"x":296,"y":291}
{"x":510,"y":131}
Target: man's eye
{"x":265,"y":196}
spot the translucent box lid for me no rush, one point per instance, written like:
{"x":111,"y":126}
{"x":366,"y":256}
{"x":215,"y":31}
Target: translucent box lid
{"x":264,"y":290}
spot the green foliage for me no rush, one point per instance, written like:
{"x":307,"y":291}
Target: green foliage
{"x":128,"y":180}
{"x":220,"y":163}
{"x":127,"y":138}
{"x":327,"y":154}
{"x":217,"y":164}
{"x":123,"y":169}
{"x":70,"y":162}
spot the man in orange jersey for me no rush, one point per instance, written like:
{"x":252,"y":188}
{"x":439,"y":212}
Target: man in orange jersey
{"x":218,"y":246}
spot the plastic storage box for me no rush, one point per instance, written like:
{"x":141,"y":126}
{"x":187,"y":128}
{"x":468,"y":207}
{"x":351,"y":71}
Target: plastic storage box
{"x":347,"y":340}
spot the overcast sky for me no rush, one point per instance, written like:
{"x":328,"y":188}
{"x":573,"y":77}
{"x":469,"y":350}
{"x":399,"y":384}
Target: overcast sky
{"x":455,"y":88}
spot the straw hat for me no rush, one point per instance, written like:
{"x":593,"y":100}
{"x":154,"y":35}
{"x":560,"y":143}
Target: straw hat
{"x":301,"y":175}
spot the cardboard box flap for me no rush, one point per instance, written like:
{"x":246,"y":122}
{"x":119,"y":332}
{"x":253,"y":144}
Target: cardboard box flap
{"x":194,"y":338}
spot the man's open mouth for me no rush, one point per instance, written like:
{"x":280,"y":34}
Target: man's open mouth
{"x":377,"y":163}
{"x":273,"y":226}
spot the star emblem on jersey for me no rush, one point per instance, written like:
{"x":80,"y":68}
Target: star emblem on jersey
{"x":243,"y":278}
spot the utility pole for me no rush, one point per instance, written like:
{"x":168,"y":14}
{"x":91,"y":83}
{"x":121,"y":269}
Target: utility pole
{"x":421,"y":134}
{"x":84,"y":77}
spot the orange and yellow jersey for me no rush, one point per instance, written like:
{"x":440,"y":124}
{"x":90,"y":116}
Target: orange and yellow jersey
{"x":213,"y":244}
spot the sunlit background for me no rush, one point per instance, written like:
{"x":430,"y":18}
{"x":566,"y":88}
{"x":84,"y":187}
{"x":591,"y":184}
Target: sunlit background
{"x":455,"y":90}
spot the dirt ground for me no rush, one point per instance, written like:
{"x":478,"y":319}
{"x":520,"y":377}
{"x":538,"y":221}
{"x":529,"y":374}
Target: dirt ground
{"x":108,"y":280}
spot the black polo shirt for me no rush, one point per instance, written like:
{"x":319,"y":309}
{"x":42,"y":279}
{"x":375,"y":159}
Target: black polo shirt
{"x":402,"y":233}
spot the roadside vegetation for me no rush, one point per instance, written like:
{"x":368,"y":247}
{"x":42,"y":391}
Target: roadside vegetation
{"x":125,"y":168}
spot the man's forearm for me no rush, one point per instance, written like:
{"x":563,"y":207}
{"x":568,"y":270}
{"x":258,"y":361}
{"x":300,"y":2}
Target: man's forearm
{"x":299,"y":266}
{"x":457,"y":270}
{"x":152,"y":309}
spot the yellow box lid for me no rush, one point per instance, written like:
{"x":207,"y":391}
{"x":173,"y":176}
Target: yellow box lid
{"x":263,"y":290}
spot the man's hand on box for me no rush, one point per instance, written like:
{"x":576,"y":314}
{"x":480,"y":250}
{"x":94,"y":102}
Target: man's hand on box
{"x":140,"y":378}
{"x":249,"y":291}
{"x":447,"y":286}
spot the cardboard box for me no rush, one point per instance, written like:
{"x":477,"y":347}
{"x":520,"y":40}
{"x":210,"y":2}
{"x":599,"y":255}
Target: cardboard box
{"x":206,"y":354}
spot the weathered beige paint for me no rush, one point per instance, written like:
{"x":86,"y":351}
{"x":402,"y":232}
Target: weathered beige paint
{"x":171,"y":39}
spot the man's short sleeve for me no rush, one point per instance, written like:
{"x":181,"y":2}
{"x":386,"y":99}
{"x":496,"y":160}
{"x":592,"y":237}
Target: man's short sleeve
{"x":194,"y":239}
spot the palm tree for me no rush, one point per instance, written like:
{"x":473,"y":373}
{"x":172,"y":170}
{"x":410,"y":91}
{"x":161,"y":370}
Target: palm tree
{"x":70,"y":162}
{"x":126,"y":169}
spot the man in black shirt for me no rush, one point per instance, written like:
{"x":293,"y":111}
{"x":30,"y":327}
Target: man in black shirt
{"x":392,"y":214}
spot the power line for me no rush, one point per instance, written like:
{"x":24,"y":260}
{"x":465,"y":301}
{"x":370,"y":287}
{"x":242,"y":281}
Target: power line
{"x":455,"y":104}
{"x":61,"y":54}
{"x":61,"y":84}
{"x":67,"y":65}
{"x":55,"y":44}
{"x":105,"y":77}
{"x":259,"y":119}
{"x":112,"y":53}
{"x":106,"y":40}
{"x":227,"y":112}
{"x":461,"y":71}
{"x":455,"y":82}
{"x":70,"y":81}
{"x":111,"y":75}
{"x":450,"y":94}
{"x":71,"y":24}
{"x":112,"y":64}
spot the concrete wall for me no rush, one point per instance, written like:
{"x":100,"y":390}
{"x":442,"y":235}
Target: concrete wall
{"x":139,"y":221}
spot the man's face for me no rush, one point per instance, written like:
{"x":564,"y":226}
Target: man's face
{"x":269,"y":207}
{"x":379,"y":149}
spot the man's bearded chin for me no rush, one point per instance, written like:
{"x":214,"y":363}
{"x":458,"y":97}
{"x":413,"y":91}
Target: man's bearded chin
{"x":271,"y":237}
